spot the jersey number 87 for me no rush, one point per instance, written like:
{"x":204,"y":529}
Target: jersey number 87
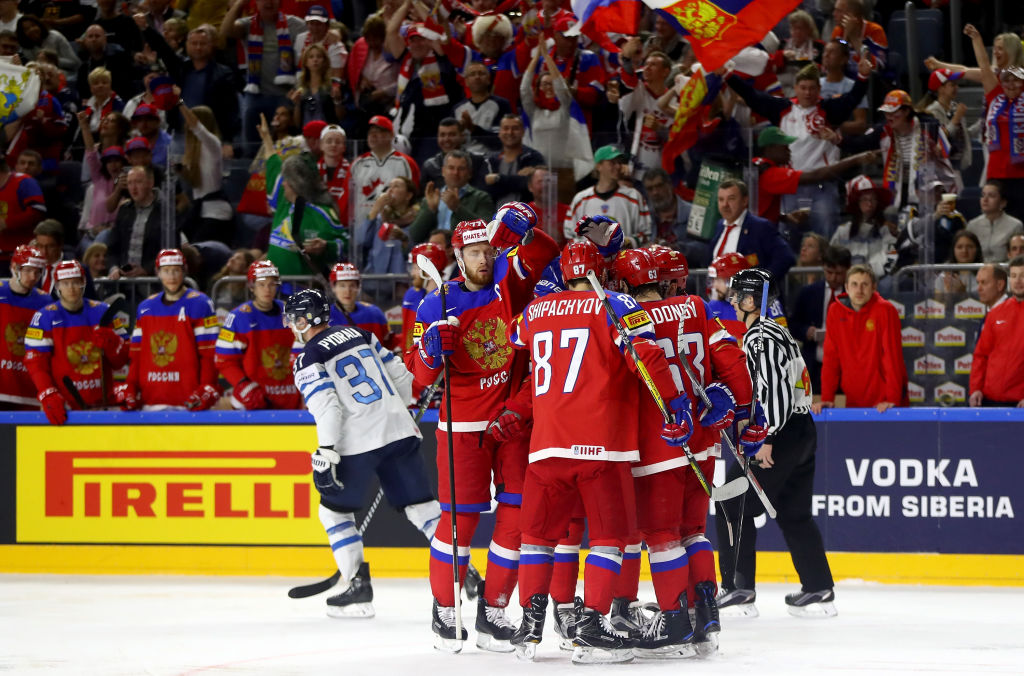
{"x":543,"y":346}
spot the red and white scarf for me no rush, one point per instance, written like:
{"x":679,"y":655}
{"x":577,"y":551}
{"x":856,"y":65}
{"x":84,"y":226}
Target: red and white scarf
{"x":254,"y":54}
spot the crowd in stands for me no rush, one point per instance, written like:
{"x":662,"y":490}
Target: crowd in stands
{"x":310,"y":134}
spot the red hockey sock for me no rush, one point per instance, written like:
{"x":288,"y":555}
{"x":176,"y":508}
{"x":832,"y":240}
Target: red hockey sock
{"x":670,"y":573}
{"x":600,"y":576}
{"x":536,"y":562}
{"x":441,"y":555}
{"x":503,"y":557}
{"x":628,"y":581}
{"x":702,"y":564}
{"x":567,"y":564}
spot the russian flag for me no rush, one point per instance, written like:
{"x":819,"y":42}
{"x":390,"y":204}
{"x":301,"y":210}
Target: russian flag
{"x":718,"y":29}
{"x":695,"y":99}
{"x":599,"y":17}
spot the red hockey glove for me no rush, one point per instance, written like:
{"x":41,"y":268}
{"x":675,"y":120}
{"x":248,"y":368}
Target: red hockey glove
{"x":53,"y":406}
{"x":756,"y":432}
{"x":722,"y":411}
{"x":203,"y":398}
{"x":127,"y":397}
{"x":108,"y":341}
{"x":507,"y":426}
{"x":250,"y":395}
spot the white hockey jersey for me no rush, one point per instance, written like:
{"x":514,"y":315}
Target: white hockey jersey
{"x":357,"y":391}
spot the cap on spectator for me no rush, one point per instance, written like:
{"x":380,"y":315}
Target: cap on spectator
{"x":895,"y":100}
{"x":1013,"y":71}
{"x":136,"y":143}
{"x":162,"y":88}
{"x":332,"y":129}
{"x":941,"y":77}
{"x":313,"y":129}
{"x":113,"y":153}
{"x":317,"y":13}
{"x":859,"y":185}
{"x":170,"y":257}
{"x":383,"y":123}
{"x":492,"y":24}
{"x":609,"y":152}
{"x":145,"y":110}
{"x":773,"y":136}
{"x":563,"y":23}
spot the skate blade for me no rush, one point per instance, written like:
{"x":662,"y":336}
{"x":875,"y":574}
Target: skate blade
{"x":817,"y":611}
{"x":587,"y":655}
{"x":447,"y":645}
{"x":353,"y":611}
{"x":494,"y":645}
{"x":707,"y":647}
{"x":526,"y":652}
{"x":680,"y":651}
{"x":565,"y":644}
{"x":739,"y":610}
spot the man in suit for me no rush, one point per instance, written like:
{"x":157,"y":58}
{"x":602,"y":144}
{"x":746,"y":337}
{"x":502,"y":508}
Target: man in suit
{"x":807,"y":323}
{"x":742,"y":232}
{"x":445,"y":207}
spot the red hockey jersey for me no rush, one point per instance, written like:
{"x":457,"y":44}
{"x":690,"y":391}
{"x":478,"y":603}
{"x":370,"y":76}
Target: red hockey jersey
{"x":258,"y":346}
{"x":173,"y":348}
{"x":16,"y":312}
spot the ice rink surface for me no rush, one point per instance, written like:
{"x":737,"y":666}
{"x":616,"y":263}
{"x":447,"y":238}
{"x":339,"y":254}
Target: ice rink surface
{"x":204,"y":625}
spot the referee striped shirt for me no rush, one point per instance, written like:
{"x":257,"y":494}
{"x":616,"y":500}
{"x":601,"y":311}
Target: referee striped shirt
{"x":779,"y":371}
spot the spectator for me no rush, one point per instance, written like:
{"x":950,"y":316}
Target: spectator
{"x":457,"y":201}
{"x":9,"y":15}
{"x":667,"y":40}
{"x":492,"y":36}
{"x":997,"y":376}
{"x":21,"y":207}
{"x":481,"y":114}
{"x":134,"y":241}
{"x":741,"y":232}
{"x":146,"y":121}
{"x":807,"y":322}
{"x":966,"y":250}
{"x":551,"y":214}
{"x":812,"y":250}
{"x":863,"y":348}
{"x":49,"y":239}
{"x":373,"y":170}
{"x":608,"y":197}
{"x":202,"y":167}
{"x":1015,"y":247}
{"x":306,"y":234}
{"x":580,"y":68}
{"x":835,"y":83}
{"x":870,"y":238}
{"x":640,"y":99}
{"x":804,"y":44}
{"x":311,"y":135}
{"x":269,"y":37}
{"x":29,"y":163}
{"x":382,"y":238}
{"x":94,"y":260}
{"x":372,"y":73}
{"x":670,"y":214}
{"x":118,"y":26}
{"x":232,"y":294}
{"x":98,"y":53}
{"x":449,"y":138}
{"x":852,"y":26}
{"x":994,"y":227}
{"x":940,"y":102}
{"x":160,"y":12}
{"x":102,"y":101}
{"x":34,"y":37}
{"x":335,"y":170}
{"x":19,"y":301}
{"x":991,"y":282}
{"x":513,"y":165}
{"x":1006,"y":51}
{"x":314,"y":96}
{"x":9,"y":45}
{"x":42,"y":130}
{"x":318,"y":32}
{"x":443,"y":239}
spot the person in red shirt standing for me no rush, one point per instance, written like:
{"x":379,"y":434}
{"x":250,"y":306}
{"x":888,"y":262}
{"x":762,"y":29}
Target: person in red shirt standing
{"x":72,"y":348}
{"x":21,"y":207}
{"x":19,"y":302}
{"x":997,"y":374}
{"x":863,"y":348}
{"x":172,"y":350}
{"x":255,"y":349}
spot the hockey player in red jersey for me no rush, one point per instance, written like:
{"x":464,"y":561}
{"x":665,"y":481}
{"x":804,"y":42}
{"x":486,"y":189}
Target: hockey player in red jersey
{"x":499,"y":281}
{"x":672,"y":506}
{"x":348,"y":310}
{"x":255,"y":348}
{"x":19,"y":302}
{"x":72,"y":348}
{"x":582,"y":444}
{"x":172,"y":348}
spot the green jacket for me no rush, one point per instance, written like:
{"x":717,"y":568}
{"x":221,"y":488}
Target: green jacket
{"x":286,"y":238}
{"x":473,"y":205}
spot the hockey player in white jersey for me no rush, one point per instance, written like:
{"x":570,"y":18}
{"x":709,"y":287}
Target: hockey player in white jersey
{"x":357,"y":392}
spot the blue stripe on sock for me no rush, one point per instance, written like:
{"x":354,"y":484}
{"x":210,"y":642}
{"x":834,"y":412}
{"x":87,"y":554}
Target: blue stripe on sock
{"x":702,"y":546}
{"x":341,"y":526}
{"x":447,"y":558}
{"x":502,"y":561}
{"x":665,"y":566}
{"x":631,"y":555}
{"x":467,"y":507}
{"x":347,"y":541}
{"x":535,"y":559}
{"x":510,"y":498}
{"x":602,"y":562}
{"x":561,"y":557}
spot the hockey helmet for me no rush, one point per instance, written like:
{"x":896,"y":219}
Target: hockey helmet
{"x":27,"y":255}
{"x":635,"y":267}
{"x":469,"y":232}
{"x":578,"y":258}
{"x":433,"y":253}
{"x":262,"y":270}
{"x":727,"y":265}
{"x":68,"y":270}
{"x":751,"y":282}
{"x":170,"y":257}
{"x":309,"y":304}
{"x":345,"y":272}
{"x":672,"y":266}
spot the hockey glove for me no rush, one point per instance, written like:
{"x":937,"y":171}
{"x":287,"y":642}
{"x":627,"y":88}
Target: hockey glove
{"x":203,"y":398}
{"x":127,"y":397}
{"x":511,"y":224}
{"x":679,"y":432}
{"x":250,"y":395}
{"x":756,"y":432}
{"x":723,"y":407}
{"x":325,"y":470}
{"x":113,"y":345}
{"x":53,"y":406}
{"x":602,"y":231}
{"x":439,"y":340}
{"x":510,"y":424}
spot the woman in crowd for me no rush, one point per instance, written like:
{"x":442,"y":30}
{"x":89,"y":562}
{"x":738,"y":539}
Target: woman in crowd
{"x":315,"y":97}
{"x":106,"y":166}
{"x":869,"y":237}
{"x":202,"y":166}
{"x":804,"y":44}
{"x":232,"y":294}
{"x":940,"y":102}
{"x":381,"y":237}
{"x":34,"y":37}
{"x":966,"y":249}
{"x":1007,"y":51}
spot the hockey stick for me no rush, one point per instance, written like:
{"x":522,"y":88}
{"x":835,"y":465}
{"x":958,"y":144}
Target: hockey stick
{"x":70,"y":384}
{"x":430,"y":270}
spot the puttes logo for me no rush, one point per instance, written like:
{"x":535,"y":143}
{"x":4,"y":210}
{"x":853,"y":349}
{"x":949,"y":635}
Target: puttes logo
{"x":962,"y":365}
{"x":929,"y":364}
{"x":929,"y":309}
{"x":912,"y":337}
{"x":950,"y":392}
{"x":901,"y":309}
{"x":969,"y":309}
{"x":915,"y":393}
{"x":950,"y":337}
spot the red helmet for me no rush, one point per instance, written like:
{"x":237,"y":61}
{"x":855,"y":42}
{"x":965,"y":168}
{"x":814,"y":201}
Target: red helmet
{"x":170,"y":257}
{"x":345,"y":272}
{"x":727,"y":265}
{"x":68,"y":270}
{"x":28,"y":255}
{"x":635,"y":267}
{"x":671,"y":264}
{"x":262,"y":270}
{"x":578,"y":258}
{"x":434,"y":253}
{"x":469,"y":232}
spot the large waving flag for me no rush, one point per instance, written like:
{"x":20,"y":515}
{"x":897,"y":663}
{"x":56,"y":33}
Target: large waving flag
{"x":597,"y":18}
{"x":695,"y":99}
{"x":19,"y":91}
{"x":718,"y":29}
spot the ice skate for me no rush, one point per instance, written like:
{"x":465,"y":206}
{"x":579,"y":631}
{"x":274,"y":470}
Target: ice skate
{"x":706,"y":625}
{"x":628,"y":616}
{"x":817,"y":604}
{"x":443,"y":624}
{"x":668,"y":635}
{"x":356,"y":601}
{"x":493,"y":629}
{"x":597,"y":641}
{"x":565,"y":623}
{"x":531,"y":630}
{"x":737,"y":602}
{"x":473,"y":584}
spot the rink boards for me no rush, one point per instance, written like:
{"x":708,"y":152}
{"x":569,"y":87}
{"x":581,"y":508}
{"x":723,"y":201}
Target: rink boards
{"x":912,"y":495}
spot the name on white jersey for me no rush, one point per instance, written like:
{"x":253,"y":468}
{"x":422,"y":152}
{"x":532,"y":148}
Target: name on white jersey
{"x":339,"y":337}
{"x":675,"y":312}
{"x":565,"y":306}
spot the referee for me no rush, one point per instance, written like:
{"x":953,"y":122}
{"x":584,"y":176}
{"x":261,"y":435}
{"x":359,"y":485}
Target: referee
{"x":783,"y":464}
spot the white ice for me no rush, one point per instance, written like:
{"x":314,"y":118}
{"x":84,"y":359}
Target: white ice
{"x":193,"y":625}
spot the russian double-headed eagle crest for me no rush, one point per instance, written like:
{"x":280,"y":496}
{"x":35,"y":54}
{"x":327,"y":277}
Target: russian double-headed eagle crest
{"x":163,"y":346}
{"x":487,"y":344}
